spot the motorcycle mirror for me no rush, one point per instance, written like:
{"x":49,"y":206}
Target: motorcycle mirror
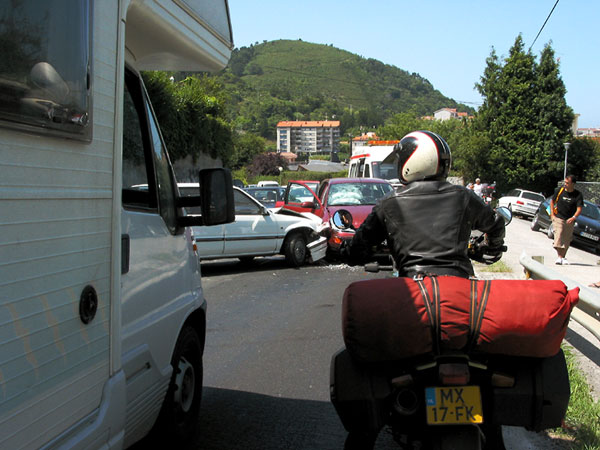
{"x":505,"y":213}
{"x":342,"y":219}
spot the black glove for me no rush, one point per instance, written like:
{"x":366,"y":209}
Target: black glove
{"x":490,"y":255}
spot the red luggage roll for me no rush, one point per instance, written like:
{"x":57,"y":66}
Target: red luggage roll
{"x":395,"y":318}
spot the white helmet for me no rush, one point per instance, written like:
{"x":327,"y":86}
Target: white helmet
{"x":422,"y":155}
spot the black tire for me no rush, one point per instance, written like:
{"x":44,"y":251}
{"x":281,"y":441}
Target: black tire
{"x":550,"y":232}
{"x":295,"y":249}
{"x":535,"y":225}
{"x":178,"y":418}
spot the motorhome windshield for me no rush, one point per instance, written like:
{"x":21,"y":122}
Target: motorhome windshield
{"x":44,"y":80}
{"x":385,"y":171}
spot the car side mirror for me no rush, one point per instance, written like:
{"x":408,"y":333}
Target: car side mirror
{"x":307,"y":205}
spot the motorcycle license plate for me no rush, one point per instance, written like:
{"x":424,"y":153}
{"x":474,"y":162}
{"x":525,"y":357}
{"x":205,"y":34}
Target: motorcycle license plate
{"x":453,"y":405}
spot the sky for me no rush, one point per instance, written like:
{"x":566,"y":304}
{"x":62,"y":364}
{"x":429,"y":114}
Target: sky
{"x":446,"y":42}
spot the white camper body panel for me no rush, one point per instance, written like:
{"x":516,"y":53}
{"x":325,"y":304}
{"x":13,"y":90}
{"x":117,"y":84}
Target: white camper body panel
{"x":64,"y":383}
{"x":56,"y":232}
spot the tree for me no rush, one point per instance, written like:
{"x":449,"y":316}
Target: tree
{"x":267,"y":164}
{"x":245,"y":147}
{"x":555,"y":116}
{"x":192,"y":115}
{"x":525,"y":116}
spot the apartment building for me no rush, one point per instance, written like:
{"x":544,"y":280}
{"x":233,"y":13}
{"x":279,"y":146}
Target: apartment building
{"x":308,"y":136}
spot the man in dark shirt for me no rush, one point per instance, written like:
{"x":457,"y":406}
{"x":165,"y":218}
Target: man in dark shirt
{"x":565,"y":206}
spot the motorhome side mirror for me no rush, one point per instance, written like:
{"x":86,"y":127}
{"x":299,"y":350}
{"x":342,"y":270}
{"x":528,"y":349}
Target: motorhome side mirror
{"x":216,"y":191}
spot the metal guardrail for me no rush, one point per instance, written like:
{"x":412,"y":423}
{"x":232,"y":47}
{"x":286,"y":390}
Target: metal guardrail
{"x":587,"y":312}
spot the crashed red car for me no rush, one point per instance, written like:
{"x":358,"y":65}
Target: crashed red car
{"x":356,"y":195}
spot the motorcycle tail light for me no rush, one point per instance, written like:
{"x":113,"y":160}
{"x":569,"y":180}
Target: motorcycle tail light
{"x":454,"y":374}
{"x":336,"y":240}
{"x":502,"y":380}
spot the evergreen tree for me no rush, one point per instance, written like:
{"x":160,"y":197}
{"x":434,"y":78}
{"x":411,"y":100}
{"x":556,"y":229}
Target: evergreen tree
{"x":554,"y":115}
{"x":525,"y":117}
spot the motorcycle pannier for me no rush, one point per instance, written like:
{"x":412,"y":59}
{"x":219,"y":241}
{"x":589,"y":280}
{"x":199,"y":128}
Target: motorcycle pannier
{"x":394,"y":318}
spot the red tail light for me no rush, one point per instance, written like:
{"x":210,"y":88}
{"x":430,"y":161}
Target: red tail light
{"x":454,"y":374}
{"x":519,"y":202}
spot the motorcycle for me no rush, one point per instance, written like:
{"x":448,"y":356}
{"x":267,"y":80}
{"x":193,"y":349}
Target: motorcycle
{"x":448,"y":399}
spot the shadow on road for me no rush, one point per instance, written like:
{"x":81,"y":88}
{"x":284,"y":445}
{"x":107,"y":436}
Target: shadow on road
{"x":589,"y":350}
{"x":248,"y":421}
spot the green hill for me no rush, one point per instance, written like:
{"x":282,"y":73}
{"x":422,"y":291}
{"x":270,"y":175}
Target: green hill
{"x":296,"y":80}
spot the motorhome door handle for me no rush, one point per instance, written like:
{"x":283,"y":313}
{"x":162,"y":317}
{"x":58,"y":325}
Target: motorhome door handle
{"x":124,"y":253}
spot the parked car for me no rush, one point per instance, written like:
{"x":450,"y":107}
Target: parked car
{"x":587,"y":226}
{"x":522,"y":202}
{"x":264,"y":183}
{"x":270,"y":196}
{"x":258,"y":231}
{"x":357,"y":195}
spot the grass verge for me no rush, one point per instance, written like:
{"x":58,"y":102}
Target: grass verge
{"x":498,"y":266}
{"x":582,"y":422}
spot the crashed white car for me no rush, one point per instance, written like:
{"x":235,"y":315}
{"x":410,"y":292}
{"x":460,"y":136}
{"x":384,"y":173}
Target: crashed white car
{"x":258,"y":231}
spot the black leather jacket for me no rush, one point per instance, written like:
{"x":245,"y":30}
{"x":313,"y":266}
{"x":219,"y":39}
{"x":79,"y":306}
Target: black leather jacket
{"x":427,"y":226}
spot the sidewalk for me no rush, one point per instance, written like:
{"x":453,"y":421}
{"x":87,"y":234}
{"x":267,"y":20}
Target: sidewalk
{"x":583,"y":269}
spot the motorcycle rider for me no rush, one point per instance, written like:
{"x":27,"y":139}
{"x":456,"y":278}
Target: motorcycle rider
{"x":428,"y":222}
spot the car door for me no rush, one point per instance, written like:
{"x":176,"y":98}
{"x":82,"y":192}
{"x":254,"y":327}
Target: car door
{"x":210,"y":240}
{"x":299,"y":197}
{"x":254,"y":232}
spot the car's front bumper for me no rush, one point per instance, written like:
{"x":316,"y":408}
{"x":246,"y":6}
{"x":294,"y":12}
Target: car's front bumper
{"x":317,"y":249}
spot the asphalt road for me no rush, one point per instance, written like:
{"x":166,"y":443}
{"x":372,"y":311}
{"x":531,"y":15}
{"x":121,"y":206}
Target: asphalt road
{"x":272,"y":331}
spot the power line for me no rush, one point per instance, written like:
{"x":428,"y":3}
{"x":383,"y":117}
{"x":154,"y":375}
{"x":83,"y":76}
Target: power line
{"x":544,"y":24}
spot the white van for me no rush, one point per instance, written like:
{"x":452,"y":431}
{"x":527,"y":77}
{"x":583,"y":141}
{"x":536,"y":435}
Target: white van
{"x":102,"y":315}
{"x":374,"y":160}
{"x":267,"y":183}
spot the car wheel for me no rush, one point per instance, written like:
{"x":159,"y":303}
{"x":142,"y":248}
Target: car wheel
{"x":295,"y":250}
{"x":178,"y":418}
{"x":550,"y":232}
{"x":535,"y":225}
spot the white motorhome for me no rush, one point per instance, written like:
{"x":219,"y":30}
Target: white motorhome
{"x":102,"y":315}
{"x":374,"y":160}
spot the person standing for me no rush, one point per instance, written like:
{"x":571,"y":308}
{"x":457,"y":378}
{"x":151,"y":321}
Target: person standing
{"x":478,"y":187}
{"x":565,"y":205}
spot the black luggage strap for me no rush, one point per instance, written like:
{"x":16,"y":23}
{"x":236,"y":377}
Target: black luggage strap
{"x":476,"y":312}
{"x":433,"y":307}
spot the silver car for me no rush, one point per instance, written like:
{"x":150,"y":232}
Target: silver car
{"x":522,"y":202}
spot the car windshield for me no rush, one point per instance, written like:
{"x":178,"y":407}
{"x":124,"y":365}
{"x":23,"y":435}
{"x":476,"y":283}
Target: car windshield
{"x":533,"y":196}
{"x":357,"y":193}
{"x":590,"y":210}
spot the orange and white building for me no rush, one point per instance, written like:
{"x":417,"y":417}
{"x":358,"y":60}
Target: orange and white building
{"x":313,"y":136}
